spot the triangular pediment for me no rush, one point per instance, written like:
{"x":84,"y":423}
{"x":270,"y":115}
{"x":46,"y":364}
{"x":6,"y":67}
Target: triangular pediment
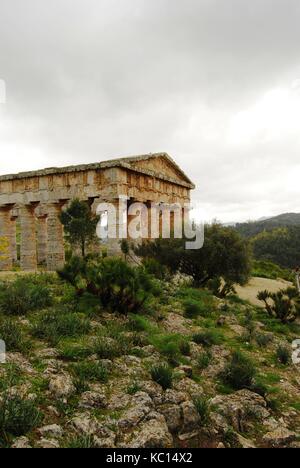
{"x":161,"y":165}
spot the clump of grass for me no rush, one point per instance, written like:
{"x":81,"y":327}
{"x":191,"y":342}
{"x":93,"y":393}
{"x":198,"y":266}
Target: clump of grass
{"x":203,"y":407}
{"x":74,"y":351}
{"x":133,"y":388}
{"x":163,"y":375}
{"x":193,"y":308}
{"x":90,"y":371}
{"x":239,"y":373}
{"x":204,"y":359}
{"x":18,"y":417}
{"x":207,"y":338}
{"x":81,"y":442}
{"x":263,"y":340}
{"x":185,"y":347}
{"x":22,"y":296}
{"x":283,"y":355}
{"x":55,"y":325}
{"x":11,"y":334}
{"x":106,"y":349}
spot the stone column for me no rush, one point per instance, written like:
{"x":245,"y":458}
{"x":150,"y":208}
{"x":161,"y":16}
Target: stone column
{"x":42,"y":239}
{"x":55,"y":248}
{"x":5,"y":239}
{"x":28,"y":238}
{"x":116,"y":226}
{"x":14,"y":251}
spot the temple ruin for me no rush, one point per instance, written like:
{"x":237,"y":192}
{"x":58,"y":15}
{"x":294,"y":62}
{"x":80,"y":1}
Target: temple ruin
{"x":31,"y":202}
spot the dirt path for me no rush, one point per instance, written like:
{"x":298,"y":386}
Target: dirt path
{"x":249,"y":292}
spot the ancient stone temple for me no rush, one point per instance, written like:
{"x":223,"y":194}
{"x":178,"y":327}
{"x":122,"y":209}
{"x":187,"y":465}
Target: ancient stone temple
{"x":31,"y":202}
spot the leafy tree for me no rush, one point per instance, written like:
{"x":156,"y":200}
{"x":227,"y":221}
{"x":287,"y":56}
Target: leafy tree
{"x":224,"y":255}
{"x":80,"y":225}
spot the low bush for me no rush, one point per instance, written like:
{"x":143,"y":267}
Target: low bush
{"x":283,"y":305}
{"x":163,"y":375}
{"x":23,"y":296}
{"x":283,"y":355}
{"x":202,"y":405}
{"x":18,"y":417}
{"x":90,"y":371}
{"x":118,"y":286}
{"x":263,"y":340}
{"x":54,"y":325}
{"x":11,"y":334}
{"x":239,"y":373}
{"x":204,"y":360}
{"x":207,"y":338}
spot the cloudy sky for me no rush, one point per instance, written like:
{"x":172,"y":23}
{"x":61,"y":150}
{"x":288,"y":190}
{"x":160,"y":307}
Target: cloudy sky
{"x":215,"y":83}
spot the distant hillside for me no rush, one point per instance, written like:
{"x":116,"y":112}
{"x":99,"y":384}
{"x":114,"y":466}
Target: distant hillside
{"x":252,"y":228}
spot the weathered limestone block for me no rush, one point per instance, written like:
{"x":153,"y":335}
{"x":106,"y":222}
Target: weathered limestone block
{"x":5,"y":239}
{"x":28,"y":238}
{"x":56,"y":251}
{"x":14,"y":251}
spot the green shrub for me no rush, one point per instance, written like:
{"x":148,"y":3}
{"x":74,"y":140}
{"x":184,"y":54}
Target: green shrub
{"x":11,"y":334}
{"x":204,"y":360}
{"x":74,"y":351}
{"x":81,"y":442}
{"x":283,"y":305}
{"x":185,"y":347}
{"x":263,"y":340}
{"x":239,"y":373}
{"x":207,"y":338}
{"x":106,"y":349}
{"x":22,"y":296}
{"x":154,"y":268}
{"x":90,"y":371}
{"x":203,"y":408}
{"x":133,"y":388}
{"x":283,"y":355}
{"x":119,"y":286}
{"x":54,"y":325}
{"x":18,"y":417}
{"x":193,"y":308}
{"x":163,"y":375}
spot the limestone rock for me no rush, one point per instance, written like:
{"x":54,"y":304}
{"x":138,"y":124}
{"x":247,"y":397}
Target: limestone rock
{"x":190,"y":415}
{"x":153,"y":433}
{"x":21,"y":443}
{"x":90,"y":400}
{"x":281,"y":437}
{"x":61,"y":386}
{"x":51,"y":431}
{"x":48,"y":444}
{"x":173,"y":416}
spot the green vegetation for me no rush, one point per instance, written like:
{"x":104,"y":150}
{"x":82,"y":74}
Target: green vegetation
{"x":17,"y":417}
{"x":283,"y":305}
{"x":79,"y":225}
{"x":163,"y":375}
{"x":22,"y":296}
{"x":265,"y":269}
{"x":203,"y":407}
{"x":224,"y":255}
{"x":118,"y":286}
{"x":239,"y":373}
{"x":283,"y":355}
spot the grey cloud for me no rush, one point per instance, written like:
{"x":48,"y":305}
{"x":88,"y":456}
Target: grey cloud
{"x":94,"y":79}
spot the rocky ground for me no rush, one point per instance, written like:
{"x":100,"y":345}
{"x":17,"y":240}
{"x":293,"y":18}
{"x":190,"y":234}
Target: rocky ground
{"x":94,"y":387}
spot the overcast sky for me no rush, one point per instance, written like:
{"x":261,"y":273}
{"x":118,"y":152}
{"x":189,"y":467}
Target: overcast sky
{"x":215,"y":83}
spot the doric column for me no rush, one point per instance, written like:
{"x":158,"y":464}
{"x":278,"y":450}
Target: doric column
{"x":28,"y":238}
{"x":55,"y":247}
{"x":42,"y":239}
{"x":117,"y":225}
{"x":14,"y":251}
{"x":5,"y":239}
